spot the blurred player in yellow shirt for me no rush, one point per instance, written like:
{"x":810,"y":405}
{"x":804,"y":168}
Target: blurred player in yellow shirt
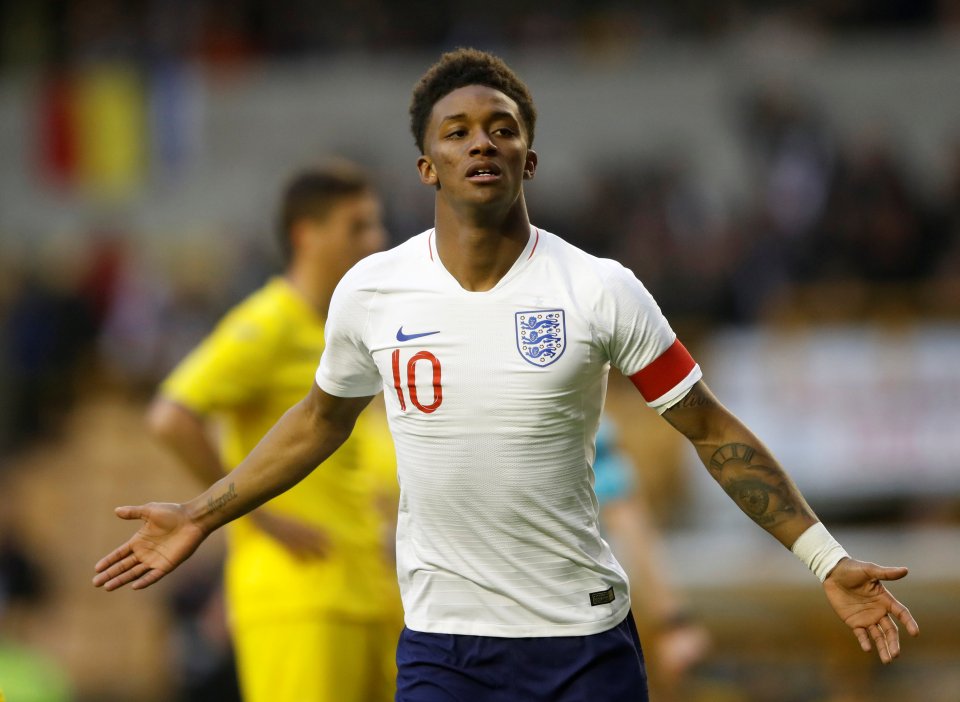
{"x":311,"y":592}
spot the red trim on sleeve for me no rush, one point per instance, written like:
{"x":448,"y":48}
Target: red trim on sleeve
{"x":662,"y":375}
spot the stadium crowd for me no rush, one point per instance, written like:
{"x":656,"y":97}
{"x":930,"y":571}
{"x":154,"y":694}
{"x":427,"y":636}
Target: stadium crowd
{"x":218,"y":31}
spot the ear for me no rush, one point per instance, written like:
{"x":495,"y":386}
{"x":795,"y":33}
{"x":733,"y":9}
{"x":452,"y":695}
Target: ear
{"x":428,"y":174}
{"x":530,"y":165}
{"x":303,"y":234}
{"x":297,"y":235}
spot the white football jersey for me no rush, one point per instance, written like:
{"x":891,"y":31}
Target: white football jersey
{"x":494,"y":400}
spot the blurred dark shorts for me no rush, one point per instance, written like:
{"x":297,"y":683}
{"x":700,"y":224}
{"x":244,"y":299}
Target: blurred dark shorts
{"x":604,"y":667}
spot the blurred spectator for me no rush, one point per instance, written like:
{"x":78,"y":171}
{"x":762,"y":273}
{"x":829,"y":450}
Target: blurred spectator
{"x":221,"y":32}
{"x":156,"y":316}
{"x":20,"y":578}
{"x":652,"y":217}
{"x":875,"y":227}
{"x":943,"y":291}
{"x":48,"y":328}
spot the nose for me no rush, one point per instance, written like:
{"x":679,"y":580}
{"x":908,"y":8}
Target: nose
{"x":483,"y":144}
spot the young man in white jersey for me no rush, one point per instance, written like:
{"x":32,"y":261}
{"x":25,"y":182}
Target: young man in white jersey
{"x":492,"y":340}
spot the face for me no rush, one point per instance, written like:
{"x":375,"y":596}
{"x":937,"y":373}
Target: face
{"x":352,"y":229}
{"x":475,"y":148}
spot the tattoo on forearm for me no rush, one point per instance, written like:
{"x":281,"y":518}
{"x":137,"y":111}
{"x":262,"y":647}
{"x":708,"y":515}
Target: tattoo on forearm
{"x":216,"y":504}
{"x":731,"y":452}
{"x":764,"y":493}
{"x":694,"y":398}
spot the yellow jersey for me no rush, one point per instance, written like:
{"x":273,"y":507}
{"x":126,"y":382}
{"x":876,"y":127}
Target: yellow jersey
{"x":258,"y":362}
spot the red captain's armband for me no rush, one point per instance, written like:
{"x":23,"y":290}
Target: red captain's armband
{"x":662,"y":375}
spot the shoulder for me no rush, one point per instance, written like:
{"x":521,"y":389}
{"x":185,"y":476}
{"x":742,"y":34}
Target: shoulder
{"x":273,"y":295}
{"x":413,"y":250}
{"x":263,"y":314}
{"x":372,"y":272}
{"x":568,"y":254}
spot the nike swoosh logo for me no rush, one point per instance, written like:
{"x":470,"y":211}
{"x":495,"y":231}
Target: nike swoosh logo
{"x":407,"y":337}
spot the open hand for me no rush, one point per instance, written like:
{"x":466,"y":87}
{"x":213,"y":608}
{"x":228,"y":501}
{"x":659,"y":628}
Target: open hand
{"x":166,"y":539}
{"x":856,"y":594}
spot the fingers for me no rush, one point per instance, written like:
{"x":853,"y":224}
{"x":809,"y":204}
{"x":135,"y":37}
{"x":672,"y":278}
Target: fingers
{"x":129,"y":512}
{"x":863,"y":638}
{"x":126,"y":512}
{"x":884,"y":572}
{"x":107,"y":571}
{"x":118,"y":576}
{"x":898,"y":610}
{"x":111,"y":558}
{"x":149,"y":577}
{"x":886,"y":637}
{"x":119,"y":568}
{"x":879,"y":642}
{"x":892,"y":635}
{"x":120,"y":559}
{"x":129,"y":571}
{"x":138,"y":578}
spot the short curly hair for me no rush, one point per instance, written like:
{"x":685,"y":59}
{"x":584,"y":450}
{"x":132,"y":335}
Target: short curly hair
{"x":460,"y":68}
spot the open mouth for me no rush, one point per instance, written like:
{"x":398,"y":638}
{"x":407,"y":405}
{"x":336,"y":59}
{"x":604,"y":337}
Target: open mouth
{"x":482,"y":173}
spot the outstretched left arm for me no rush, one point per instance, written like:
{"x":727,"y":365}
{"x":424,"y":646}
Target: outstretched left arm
{"x":742,"y":465}
{"x":751,"y":476}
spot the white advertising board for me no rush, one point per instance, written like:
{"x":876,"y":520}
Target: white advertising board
{"x":853,"y":410}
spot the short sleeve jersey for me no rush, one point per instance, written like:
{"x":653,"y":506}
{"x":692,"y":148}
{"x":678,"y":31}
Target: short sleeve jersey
{"x":258,"y":362}
{"x":494,"y":400}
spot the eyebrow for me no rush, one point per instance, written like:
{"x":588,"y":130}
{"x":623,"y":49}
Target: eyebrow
{"x":499,"y":114}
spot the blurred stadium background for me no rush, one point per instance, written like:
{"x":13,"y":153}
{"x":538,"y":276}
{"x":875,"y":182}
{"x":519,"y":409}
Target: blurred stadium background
{"x":784,"y":177}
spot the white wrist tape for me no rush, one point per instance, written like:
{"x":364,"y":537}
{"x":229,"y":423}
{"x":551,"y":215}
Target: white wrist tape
{"x":818,"y":550}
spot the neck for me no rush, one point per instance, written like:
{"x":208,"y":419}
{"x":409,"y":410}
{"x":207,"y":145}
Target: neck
{"x":313,"y":288}
{"x":478,"y":248}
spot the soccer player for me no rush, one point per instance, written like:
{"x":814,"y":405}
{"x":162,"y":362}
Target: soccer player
{"x":492,"y":340}
{"x":311,"y":592}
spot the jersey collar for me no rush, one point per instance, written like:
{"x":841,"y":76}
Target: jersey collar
{"x":529,"y":250}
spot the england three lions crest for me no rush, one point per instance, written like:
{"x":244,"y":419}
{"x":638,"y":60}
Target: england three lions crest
{"x":541,"y":336}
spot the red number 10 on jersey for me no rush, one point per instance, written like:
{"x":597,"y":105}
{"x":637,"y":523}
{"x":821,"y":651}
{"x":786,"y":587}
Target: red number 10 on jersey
{"x":412,"y":381}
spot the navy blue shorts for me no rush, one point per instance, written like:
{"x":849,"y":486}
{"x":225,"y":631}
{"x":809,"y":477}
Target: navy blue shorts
{"x":604,"y":667}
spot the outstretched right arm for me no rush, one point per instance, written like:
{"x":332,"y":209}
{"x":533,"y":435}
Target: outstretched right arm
{"x":305,"y":436}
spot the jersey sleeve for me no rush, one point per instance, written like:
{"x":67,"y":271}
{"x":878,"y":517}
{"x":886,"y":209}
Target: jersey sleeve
{"x":641,"y":343}
{"x":346,"y":367}
{"x":222,"y":371}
